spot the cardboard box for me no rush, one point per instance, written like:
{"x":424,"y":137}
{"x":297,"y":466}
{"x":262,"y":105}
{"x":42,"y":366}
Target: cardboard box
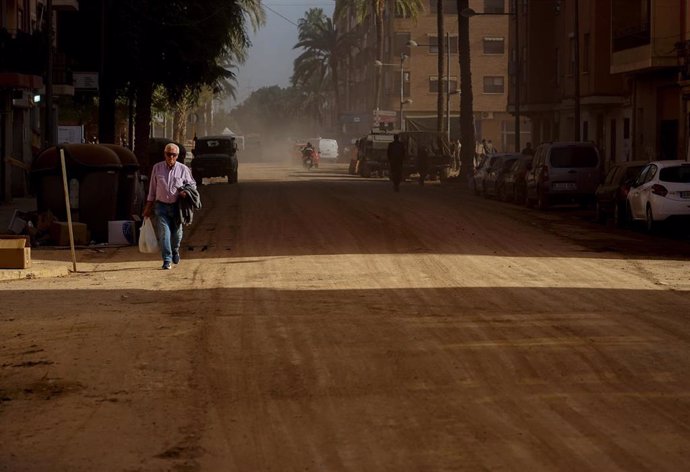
{"x":59,"y":233}
{"x":17,"y":223}
{"x":121,"y":232}
{"x":14,"y":253}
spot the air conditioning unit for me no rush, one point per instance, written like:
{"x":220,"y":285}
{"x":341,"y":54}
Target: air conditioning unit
{"x":487,"y":115}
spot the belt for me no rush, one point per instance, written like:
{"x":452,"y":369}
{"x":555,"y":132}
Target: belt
{"x":165,"y":203}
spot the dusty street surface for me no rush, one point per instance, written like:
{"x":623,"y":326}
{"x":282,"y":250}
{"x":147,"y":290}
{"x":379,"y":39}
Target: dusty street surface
{"x":322,"y":322}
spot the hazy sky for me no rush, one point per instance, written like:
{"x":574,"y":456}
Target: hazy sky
{"x":272,"y":54}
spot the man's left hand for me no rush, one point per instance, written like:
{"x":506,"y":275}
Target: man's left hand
{"x":183,"y":194}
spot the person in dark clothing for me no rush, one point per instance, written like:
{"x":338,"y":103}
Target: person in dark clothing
{"x":528,"y":150}
{"x":396,"y":157}
{"x":422,"y":162}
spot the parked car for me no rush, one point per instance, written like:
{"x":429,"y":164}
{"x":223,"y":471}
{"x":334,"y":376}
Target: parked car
{"x":493,"y":183}
{"x":612,"y":194}
{"x":481,"y":172}
{"x":514,"y":181}
{"x":563,"y":172}
{"x":660,"y":192}
{"x":215,"y":156}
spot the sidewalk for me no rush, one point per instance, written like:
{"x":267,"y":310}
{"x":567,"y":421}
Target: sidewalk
{"x":39,"y":268}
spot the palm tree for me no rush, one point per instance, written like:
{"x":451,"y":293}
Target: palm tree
{"x":376,"y":8}
{"x":466,"y":106}
{"x":441,"y":63}
{"x":323,"y":46}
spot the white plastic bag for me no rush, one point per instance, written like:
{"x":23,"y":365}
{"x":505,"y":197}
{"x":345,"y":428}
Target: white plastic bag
{"x":148,"y":243}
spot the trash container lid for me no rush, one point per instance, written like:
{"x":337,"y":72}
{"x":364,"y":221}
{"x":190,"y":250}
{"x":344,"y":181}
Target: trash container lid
{"x":91,"y":156}
{"x":127,"y":158}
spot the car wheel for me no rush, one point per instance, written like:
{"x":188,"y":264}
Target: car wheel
{"x":649,"y":220}
{"x":619,"y":216}
{"x":197,"y":178}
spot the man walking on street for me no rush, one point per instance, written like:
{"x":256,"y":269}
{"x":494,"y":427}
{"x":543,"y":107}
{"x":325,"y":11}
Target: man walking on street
{"x":396,"y":157}
{"x":167,"y":178}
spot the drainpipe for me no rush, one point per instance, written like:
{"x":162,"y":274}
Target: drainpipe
{"x":48,"y":134}
{"x":577,"y":69}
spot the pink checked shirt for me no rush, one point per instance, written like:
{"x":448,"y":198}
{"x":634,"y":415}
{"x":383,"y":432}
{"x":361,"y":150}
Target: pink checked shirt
{"x":165,"y":181}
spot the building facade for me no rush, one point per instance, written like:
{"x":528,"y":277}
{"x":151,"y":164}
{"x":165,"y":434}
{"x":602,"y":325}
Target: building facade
{"x":23,"y":65}
{"x":610,"y":72}
{"x":410,"y":78}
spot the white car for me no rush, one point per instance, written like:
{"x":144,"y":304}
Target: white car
{"x":661,"y":191}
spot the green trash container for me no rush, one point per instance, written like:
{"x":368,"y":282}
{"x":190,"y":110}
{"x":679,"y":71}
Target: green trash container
{"x":128,"y":191}
{"x":93,"y":173}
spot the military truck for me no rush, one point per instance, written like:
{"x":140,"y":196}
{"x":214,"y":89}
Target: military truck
{"x":372,"y":154}
{"x":441,"y":162}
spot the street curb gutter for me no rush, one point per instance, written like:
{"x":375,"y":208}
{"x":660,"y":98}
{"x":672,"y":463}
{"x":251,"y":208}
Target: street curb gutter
{"x":39,"y":269}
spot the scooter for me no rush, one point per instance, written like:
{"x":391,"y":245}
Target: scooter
{"x":310,"y":159}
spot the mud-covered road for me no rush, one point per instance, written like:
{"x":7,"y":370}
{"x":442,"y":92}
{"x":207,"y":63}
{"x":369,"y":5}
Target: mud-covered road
{"x":320,"y":321}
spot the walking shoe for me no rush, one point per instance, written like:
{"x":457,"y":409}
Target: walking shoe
{"x":176,"y":258}
{"x":166,"y":265}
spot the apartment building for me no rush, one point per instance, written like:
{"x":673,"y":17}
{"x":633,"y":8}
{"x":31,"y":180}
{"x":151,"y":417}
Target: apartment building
{"x":649,"y":45}
{"x":23,"y":62}
{"x":612,"y":72}
{"x":410,"y":58}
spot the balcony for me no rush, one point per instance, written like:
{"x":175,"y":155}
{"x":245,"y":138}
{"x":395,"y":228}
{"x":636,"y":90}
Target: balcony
{"x":66,"y":5}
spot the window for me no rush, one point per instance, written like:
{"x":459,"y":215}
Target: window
{"x":494,"y":6}
{"x":585,"y":130}
{"x":493,"y":84}
{"x":433,"y":83}
{"x":494,"y":45}
{"x":571,"y":59}
{"x":433,"y":42}
{"x":400,"y":44}
{"x":585,"y":53}
{"x":449,"y":6}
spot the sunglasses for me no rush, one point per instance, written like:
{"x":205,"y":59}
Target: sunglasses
{"x":171,"y":154}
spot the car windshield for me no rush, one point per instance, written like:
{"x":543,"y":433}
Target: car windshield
{"x":574,"y":156}
{"x":677,"y":174}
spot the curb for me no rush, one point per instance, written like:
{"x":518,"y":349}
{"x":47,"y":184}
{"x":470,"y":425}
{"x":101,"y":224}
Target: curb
{"x":38,"y":270}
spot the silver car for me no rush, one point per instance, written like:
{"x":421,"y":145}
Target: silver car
{"x":563,"y":172}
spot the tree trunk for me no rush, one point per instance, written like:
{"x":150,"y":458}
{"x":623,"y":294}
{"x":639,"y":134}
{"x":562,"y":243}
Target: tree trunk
{"x":142,"y":129}
{"x":379,"y":55}
{"x":180,"y":121}
{"x":336,"y":113}
{"x":441,"y":65}
{"x":467,"y":137}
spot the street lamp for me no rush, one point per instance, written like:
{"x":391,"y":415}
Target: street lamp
{"x":403,"y":56}
{"x":413,"y":43}
{"x":403,"y":102}
{"x":469,"y":13}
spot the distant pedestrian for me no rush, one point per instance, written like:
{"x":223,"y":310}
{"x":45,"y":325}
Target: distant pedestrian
{"x":396,"y":157}
{"x":165,"y":189}
{"x":528,"y":150}
{"x":422,"y":162}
